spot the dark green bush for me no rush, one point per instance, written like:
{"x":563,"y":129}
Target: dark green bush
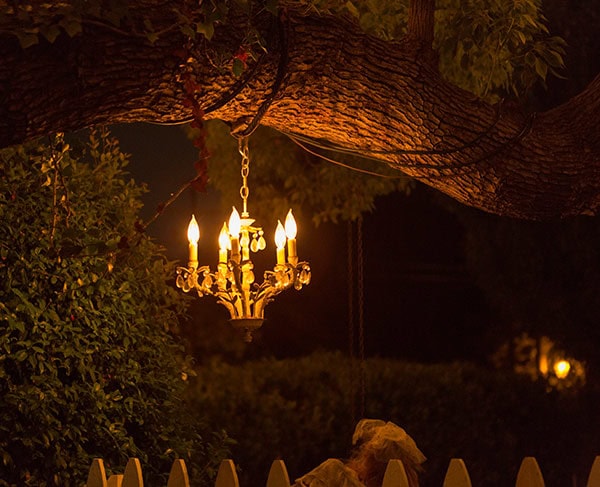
{"x":299,"y":410}
{"x":88,"y":365}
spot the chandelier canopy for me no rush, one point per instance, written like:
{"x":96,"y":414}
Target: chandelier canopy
{"x":233,"y":282}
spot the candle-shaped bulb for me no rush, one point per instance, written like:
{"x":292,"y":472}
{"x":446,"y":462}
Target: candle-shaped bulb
{"x":290,"y":225}
{"x":235,"y":223}
{"x":280,"y":235}
{"x":235,"y":226}
{"x":193,"y":231}
{"x":193,"y":235}
{"x":224,"y":243}
{"x":280,"y":242}
{"x":290,"y":232}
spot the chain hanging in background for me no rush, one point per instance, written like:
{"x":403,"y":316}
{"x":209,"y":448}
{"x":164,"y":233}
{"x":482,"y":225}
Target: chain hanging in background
{"x":361,"y":314}
{"x":351,"y":322}
{"x":356,"y":334}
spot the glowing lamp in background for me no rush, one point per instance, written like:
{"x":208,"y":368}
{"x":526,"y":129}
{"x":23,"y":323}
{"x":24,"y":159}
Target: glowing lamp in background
{"x":562,"y":368}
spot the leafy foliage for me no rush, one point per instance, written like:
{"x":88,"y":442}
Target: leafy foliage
{"x":88,"y":365}
{"x":300,"y":409}
{"x":490,"y":48}
{"x":34,"y":21}
{"x":284,"y":177}
{"x":498,"y":48}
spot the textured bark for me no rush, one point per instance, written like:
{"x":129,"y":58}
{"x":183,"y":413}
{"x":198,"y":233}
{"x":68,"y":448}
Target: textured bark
{"x":384,"y":99}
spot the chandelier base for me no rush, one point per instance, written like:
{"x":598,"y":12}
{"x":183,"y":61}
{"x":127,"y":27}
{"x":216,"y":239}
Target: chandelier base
{"x":247,"y":325}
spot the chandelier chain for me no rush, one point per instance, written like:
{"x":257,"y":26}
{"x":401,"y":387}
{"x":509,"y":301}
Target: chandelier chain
{"x":244,"y":190}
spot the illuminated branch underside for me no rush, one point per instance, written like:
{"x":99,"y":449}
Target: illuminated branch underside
{"x":380,"y":97}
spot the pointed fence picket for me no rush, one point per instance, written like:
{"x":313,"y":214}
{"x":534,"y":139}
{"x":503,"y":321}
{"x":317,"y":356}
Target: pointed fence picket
{"x":457,"y":475}
{"x":594,"y":478}
{"x":395,"y":475}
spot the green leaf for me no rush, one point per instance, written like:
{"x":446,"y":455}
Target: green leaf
{"x":541,"y":68}
{"x":553,"y":58}
{"x":186,"y":29}
{"x":238,"y":67}
{"x":21,"y":355}
{"x":272,"y":6}
{"x":50,"y":32}
{"x":521,"y":36}
{"x":206,"y":29}
{"x":152,"y":37}
{"x":72,"y":27}
{"x":352,"y":9}
{"x":27,"y":40}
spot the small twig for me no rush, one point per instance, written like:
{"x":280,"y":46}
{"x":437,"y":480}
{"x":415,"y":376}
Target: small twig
{"x":161,"y":207}
{"x":55,"y":161}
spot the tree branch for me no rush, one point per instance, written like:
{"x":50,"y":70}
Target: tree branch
{"x":421,"y":26}
{"x":421,"y":21}
{"x":382,"y":99}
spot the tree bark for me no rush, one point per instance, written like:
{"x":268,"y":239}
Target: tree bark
{"x":383,"y":99}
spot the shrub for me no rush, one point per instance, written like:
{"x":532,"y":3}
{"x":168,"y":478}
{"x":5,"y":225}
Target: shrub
{"x":299,"y":410}
{"x":88,"y":365}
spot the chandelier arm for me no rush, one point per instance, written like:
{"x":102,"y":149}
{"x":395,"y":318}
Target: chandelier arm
{"x":228,"y":304}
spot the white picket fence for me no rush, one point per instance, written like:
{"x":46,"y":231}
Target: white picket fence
{"x":457,"y":475}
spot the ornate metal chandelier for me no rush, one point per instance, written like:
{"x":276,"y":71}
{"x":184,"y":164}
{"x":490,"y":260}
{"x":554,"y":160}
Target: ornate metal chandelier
{"x":233,"y":283}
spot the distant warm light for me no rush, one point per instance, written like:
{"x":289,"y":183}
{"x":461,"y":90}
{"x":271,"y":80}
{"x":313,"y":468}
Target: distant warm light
{"x":290,"y":225}
{"x":235,"y":223}
{"x":562,"y":369}
{"x":193,"y":231}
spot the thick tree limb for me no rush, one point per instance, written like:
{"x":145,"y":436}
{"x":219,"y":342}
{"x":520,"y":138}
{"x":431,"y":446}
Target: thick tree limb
{"x":381,"y":98}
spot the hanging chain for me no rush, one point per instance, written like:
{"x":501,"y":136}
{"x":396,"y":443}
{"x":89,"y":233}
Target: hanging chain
{"x":244,"y":190}
{"x":351,"y":322}
{"x":361,"y":313}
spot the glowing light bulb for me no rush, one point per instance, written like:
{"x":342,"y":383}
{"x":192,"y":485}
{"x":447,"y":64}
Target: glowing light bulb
{"x":235,"y":223}
{"x":562,"y":368}
{"x":193,"y":231}
{"x":193,"y":235}
{"x":290,"y":225}
{"x":224,"y":243}
{"x":290,"y":232}
{"x":280,"y":242}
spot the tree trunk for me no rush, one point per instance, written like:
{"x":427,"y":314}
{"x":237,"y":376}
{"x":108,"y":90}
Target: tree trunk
{"x":335,"y":83}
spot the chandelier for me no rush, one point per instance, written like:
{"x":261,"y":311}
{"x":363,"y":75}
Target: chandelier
{"x":233,"y":283}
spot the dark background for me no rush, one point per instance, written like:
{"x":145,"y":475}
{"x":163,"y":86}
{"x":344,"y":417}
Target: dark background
{"x":420,"y":302}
